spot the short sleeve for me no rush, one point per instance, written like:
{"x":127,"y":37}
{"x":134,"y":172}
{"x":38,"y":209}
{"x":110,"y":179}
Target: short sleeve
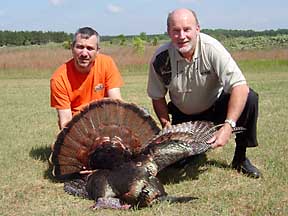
{"x":156,"y":88}
{"x":58,"y":95}
{"x":226,"y":68}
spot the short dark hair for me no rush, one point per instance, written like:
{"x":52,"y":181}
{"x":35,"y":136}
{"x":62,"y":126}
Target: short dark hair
{"x":171,"y":13}
{"x":86,"y":32}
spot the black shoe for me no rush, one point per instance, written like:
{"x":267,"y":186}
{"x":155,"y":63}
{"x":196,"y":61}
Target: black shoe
{"x":247,"y":168}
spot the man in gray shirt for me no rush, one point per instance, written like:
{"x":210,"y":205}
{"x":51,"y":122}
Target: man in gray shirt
{"x":204,"y":83}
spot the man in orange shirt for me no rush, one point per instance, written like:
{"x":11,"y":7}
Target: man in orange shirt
{"x":88,"y":76}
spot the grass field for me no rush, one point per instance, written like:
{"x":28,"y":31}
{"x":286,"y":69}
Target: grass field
{"x":28,"y":128}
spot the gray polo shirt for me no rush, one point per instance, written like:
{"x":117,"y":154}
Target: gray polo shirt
{"x":193,"y":86}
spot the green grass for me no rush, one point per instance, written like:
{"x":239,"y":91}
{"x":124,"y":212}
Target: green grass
{"x":28,"y":127}
{"x":264,"y":66}
{"x":24,"y":74}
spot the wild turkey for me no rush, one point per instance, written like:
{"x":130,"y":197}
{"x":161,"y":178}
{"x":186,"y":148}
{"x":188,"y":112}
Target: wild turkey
{"x":126,"y":148}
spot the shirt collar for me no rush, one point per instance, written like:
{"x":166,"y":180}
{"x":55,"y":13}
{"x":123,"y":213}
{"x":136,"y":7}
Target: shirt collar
{"x":197,"y":49}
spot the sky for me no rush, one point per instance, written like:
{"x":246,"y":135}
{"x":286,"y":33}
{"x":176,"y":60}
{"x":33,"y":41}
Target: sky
{"x":131,"y":17}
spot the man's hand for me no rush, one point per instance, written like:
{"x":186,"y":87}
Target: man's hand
{"x":86,"y":171}
{"x":167,"y":125}
{"x":64,"y":116}
{"x":221,"y":137}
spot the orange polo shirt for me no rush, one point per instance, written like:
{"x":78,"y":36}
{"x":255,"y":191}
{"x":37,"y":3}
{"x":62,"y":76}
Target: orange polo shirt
{"x":72,"y":89}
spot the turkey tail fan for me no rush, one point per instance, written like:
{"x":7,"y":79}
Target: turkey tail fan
{"x":103,"y":124}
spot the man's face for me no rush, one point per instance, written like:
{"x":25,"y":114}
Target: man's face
{"x":84,"y":52}
{"x":183,"y":32}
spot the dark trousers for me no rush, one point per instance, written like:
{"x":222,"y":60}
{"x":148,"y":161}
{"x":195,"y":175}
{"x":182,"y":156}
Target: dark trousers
{"x":217,"y":114}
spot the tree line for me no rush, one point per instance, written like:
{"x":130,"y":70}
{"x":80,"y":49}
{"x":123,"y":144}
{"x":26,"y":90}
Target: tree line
{"x":23,"y":38}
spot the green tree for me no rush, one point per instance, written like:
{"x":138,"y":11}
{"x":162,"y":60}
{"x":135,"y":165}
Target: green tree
{"x":155,"y":41}
{"x":143,"y":36}
{"x":122,"y":39}
{"x":67,"y":44}
{"x":138,"y":44}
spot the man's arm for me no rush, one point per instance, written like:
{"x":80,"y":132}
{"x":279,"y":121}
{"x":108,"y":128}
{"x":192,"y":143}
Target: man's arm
{"x":237,"y":101}
{"x":64,"y":116}
{"x":114,"y":93}
{"x":161,"y":110}
{"x":236,"y":105}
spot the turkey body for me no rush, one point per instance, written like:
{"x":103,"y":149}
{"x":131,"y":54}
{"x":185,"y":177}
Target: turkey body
{"x":131,"y":182}
{"x":126,"y":148}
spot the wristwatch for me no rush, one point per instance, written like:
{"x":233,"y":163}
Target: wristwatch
{"x":230,"y":122}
